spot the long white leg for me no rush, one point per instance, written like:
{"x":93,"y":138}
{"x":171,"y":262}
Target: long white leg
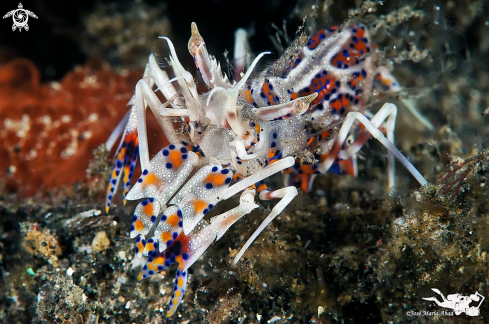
{"x":387,"y":113}
{"x":376,"y":133}
{"x":286,"y":195}
{"x":276,"y":167}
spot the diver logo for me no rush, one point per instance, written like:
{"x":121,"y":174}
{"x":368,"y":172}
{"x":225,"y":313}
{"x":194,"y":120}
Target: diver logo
{"x":20,"y":17}
{"x":457,"y":303}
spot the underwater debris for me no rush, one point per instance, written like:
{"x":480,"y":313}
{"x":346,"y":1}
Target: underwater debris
{"x":61,"y":301}
{"x":100,"y":242}
{"x":40,"y":243}
{"x":123,"y":33}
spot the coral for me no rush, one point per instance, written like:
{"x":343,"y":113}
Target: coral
{"x":49,"y":130}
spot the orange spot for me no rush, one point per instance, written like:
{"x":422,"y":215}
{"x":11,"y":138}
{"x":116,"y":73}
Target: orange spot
{"x":140,"y":246}
{"x":257,"y":128}
{"x":247,"y":93}
{"x":165,"y":236}
{"x":199,"y":205}
{"x":268,"y":92}
{"x":148,"y":209}
{"x":151,"y":179}
{"x":179,"y":259}
{"x":262,"y":187}
{"x":175,"y":158}
{"x":307,"y":169}
{"x":138,"y":225}
{"x":159,"y":260}
{"x":324,"y":136}
{"x":173,"y":220}
{"x":216,"y":179}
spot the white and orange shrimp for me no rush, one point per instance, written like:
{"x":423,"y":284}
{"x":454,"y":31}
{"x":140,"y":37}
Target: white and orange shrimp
{"x":241,"y":133}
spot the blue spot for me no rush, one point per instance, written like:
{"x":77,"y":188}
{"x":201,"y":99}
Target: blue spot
{"x":355,"y":39}
{"x":209,"y":185}
{"x":144,"y":202}
{"x":166,"y":153}
{"x":225,"y":171}
{"x":345,"y":53}
{"x":119,"y":164}
{"x":151,"y":199}
{"x":274,"y":135}
{"x":134,"y":218}
{"x":210,"y":206}
{"x":262,"y":95}
{"x":185,"y":256}
{"x":153,"y":218}
{"x":179,"y":213}
{"x":167,"y":263}
{"x":161,"y":268}
{"x":273,"y":144}
{"x":183,"y":150}
{"x":205,"y":211}
{"x":172,"y":147}
{"x":175,"y":235}
{"x":169,"y":165}
{"x":321,"y":36}
{"x":114,"y":181}
{"x":228,"y":180}
{"x":132,"y":228}
{"x":180,"y":224}
{"x":214,"y":169}
{"x":172,"y":259}
{"x":117,"y":173}
{"x":239,"y":162}
{"x":163,"y":218}
{"x":112,"y":189}
{"x":185,"y":156}
{"x":140,"y":180}
{"x":145,"y":172}
{"x":138,"y":238}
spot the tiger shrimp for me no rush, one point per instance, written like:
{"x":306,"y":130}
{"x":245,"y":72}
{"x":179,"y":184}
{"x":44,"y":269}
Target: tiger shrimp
{"x":240,"y":133}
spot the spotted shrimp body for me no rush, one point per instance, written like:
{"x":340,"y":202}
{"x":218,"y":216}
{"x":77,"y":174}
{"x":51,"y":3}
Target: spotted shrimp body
{"x":238,"y":135}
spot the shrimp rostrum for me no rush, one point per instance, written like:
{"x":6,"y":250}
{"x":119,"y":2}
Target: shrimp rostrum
{"x":240,"y":133}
